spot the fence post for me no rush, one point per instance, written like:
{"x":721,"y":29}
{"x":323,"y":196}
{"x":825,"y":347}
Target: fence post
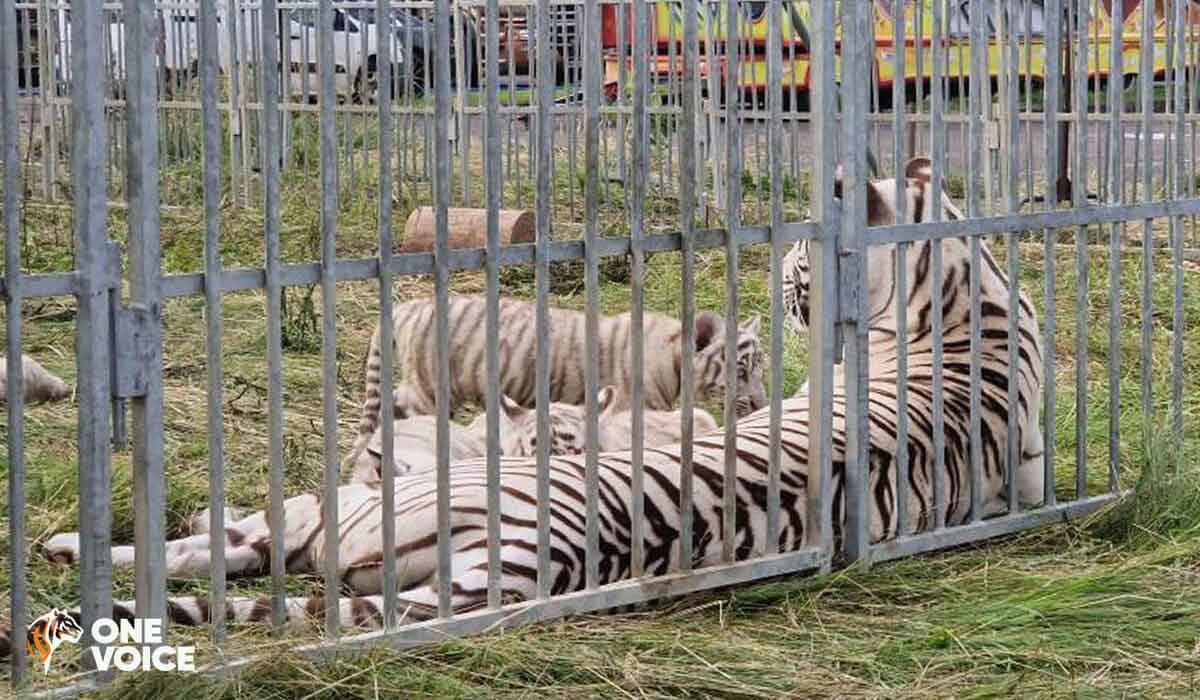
{"x":149,"y":490}
{"x":12,"y":272}
{"x":852,"y":278}
{"x":822,"y":303}
{"x":89,"y":186}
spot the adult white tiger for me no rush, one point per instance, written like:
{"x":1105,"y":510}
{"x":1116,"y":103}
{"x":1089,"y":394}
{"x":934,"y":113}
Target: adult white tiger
{"x":247,"y":542}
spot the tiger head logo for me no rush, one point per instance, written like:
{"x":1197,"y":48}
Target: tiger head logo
{"x":48,"y":632}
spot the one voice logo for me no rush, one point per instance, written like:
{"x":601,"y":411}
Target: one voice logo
{"x":129,"y":645}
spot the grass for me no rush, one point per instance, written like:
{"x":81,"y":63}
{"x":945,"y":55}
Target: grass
{"x":1105,"y":608}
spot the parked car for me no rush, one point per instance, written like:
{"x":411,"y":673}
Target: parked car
{"x":176,"y":46}
{"x":414,"y":49}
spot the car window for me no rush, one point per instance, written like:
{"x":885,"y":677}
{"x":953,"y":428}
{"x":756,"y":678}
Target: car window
{"x":342,"y":23}
{"x":306,"y":17}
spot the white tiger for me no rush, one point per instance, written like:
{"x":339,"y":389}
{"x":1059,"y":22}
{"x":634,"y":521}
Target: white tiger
{"x":414,"y":341}
{"x":38,"y":383}
{"x":568,"y":426}
{"x":360,"y":554}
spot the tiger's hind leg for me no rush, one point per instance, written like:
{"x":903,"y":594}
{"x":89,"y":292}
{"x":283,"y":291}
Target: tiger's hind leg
{"x":247,"y":544}
{"x":199,"y":523}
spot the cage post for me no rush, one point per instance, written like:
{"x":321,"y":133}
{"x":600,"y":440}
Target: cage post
{"x":591,"y":226}
{"x":823,"y":302}
{"x":269,"y":151}
{"x":211,"y":118}
{"x":387,"y":457}
{"x":145,"y":271}
{"x":89,"y":161}
{"x":15,"y":399}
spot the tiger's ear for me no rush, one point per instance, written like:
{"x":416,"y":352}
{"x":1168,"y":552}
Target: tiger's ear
{"x":752,"y":325}
{"x":511,"y":409}
{"x":605,"y":398}
{"x":708,"y":325}
{"x":919,"y":168}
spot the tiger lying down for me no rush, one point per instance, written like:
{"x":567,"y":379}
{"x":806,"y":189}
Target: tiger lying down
{"x":413,"y":440}
{"x":360,"y":556}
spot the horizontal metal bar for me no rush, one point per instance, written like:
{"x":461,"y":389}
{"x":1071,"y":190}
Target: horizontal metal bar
{"x":243,"y":279}
{"x":985,"y":529}
{"x":61,"y":284}
{"x":929,"y":230}
{"x":809,"y":559}
{"x":614,"y":595}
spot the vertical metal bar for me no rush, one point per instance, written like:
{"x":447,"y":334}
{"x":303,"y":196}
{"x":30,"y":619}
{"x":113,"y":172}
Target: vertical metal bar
{"x":329,"y":201}
{"x":822,"y":302}
{"x":775,"y":163}
{"x":237,"y":115}
{"x":687,"y":224}
{"x":211,"y":169}
{"x":441,"y":283}
{"x":461,"y":118}
{"x":899,"y":158}
{"x":495,"y":192}
{"x":1179,"y":172}
{"x":89,"y":163}
{"x":857,"y":51}
{"x":1116,"y":234}
{"x":1146,"y":85}
{"x":1079,"y":182}
{"x":269,"y":151}
{"x":637,"y":232}
{"x":591,"y":226}
{"x":975,"y":164}
{"x":545,"y":95}
{"x":1012,"y":253}
{"x":1054,"y":23}
{"x":145,"y":270}
{"x":13,"y":187}
{"x":938,"y":138}
{"x":386,"y":408}
{"x":733,"y":206}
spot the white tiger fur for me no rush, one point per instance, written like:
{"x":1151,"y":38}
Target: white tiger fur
{"x":416,"y":359}
{"x":38,"y":383}
{"x":414,"y":445}
{"x":360,"y":553}
{"x":568,"y":426}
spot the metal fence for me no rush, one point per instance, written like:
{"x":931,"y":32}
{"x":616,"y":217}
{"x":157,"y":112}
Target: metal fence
{"x":131,"y":90}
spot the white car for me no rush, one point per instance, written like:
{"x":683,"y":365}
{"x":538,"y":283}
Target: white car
{"x":355,"y":43}
{"x":176,"y":46}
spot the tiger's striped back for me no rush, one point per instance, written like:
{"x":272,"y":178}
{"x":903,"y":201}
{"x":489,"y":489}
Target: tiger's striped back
{"x":416,"y":359}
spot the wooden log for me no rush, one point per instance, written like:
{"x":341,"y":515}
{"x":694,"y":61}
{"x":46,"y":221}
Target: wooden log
{"x":467,"y":228}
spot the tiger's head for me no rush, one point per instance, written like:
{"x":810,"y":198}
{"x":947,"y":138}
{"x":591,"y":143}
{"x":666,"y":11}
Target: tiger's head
{"x":709,"y":363}
{"x":881,"y":262}
{"x":48,"y":632}
{"x":568,"y":433}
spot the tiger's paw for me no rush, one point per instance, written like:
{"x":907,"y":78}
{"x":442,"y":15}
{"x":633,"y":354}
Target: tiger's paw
{"x":198,"y":524}
{"x":62,"y":548}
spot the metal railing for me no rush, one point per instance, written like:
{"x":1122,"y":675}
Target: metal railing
{"x":247,"y":114}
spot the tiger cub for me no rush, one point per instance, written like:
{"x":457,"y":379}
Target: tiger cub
{"x":416,"y":359}
{"x":568,"y":427}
